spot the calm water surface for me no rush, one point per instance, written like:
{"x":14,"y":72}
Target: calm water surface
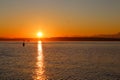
{"x":60,"y":61}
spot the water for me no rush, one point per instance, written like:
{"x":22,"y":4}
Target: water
{"x":60,"y":61}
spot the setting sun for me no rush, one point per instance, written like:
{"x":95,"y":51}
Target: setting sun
{"x":39,"y":34}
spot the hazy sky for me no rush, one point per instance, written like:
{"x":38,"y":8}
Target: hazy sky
{"x":24,"y":18}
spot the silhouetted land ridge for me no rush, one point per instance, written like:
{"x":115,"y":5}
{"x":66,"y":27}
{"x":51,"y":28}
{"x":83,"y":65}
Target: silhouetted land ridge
{"x":62,"y":39}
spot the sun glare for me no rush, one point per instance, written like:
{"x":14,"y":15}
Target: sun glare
{"x":39,"y":34}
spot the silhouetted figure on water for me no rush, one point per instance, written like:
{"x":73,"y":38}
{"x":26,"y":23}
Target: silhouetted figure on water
{"x":23,"y":44}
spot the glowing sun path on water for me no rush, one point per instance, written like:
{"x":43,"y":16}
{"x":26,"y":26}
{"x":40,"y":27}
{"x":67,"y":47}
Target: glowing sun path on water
{"x":40,"y":63}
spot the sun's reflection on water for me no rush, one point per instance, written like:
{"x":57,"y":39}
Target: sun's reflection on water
{"x":39,"y":64}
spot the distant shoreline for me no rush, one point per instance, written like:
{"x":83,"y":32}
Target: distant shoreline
{"x":62,"y":39}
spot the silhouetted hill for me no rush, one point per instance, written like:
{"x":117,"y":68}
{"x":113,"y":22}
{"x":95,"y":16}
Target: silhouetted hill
{"x":110,"y":36}
{"x":62,"y":39}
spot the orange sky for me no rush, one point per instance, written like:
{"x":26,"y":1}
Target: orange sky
{"x":58,"y":18}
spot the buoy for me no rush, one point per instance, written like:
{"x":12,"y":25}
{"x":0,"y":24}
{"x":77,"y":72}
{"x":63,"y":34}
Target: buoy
{"x":23,"y":44}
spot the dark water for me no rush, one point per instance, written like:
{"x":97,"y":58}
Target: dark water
{"x":60,"y":61}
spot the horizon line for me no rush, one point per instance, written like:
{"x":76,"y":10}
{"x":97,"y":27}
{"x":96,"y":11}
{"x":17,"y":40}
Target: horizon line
{"x":62,"y":39}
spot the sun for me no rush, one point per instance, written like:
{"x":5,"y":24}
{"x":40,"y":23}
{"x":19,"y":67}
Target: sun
{"x":39,"y":34}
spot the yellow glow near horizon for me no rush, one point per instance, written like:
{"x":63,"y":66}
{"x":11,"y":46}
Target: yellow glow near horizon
{"x":39,"y":34}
